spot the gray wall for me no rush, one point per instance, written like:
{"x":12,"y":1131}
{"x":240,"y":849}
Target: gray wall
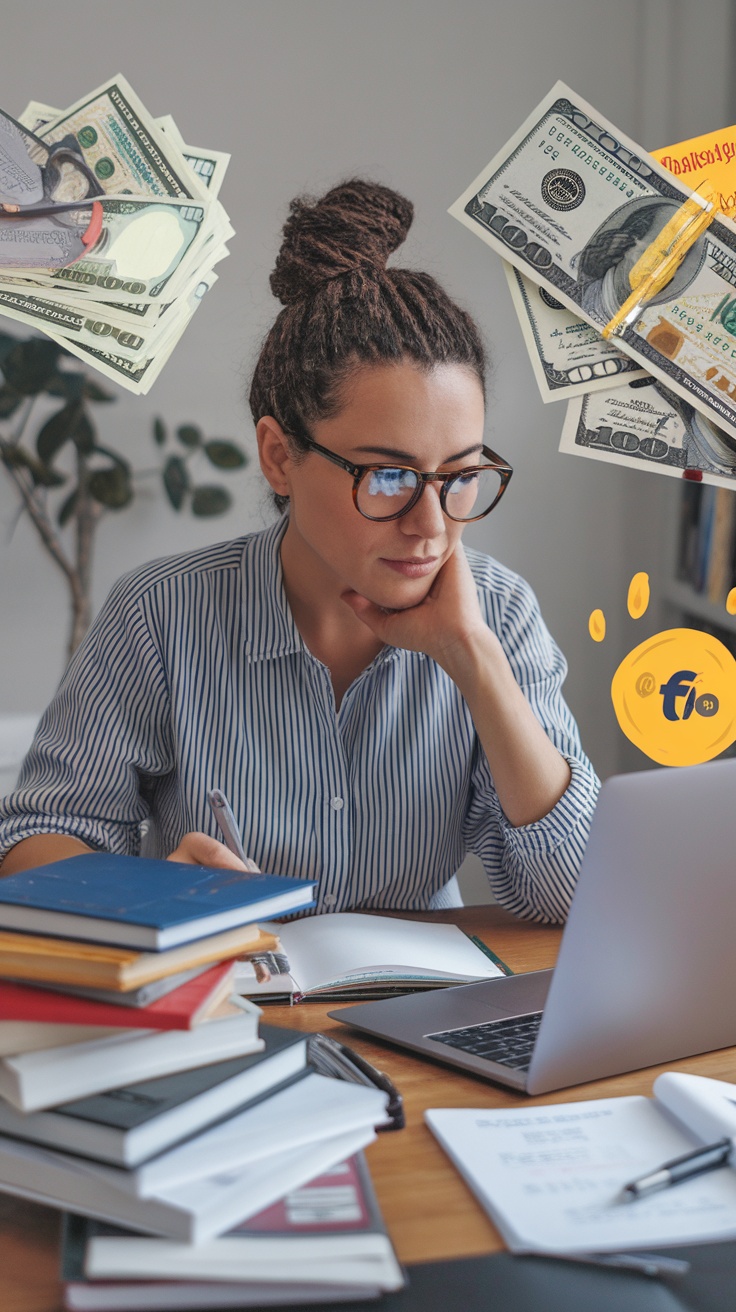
{"x":418,"y":94}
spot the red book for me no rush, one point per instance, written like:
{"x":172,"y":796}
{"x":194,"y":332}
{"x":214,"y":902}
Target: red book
{"x":181,"y":1009}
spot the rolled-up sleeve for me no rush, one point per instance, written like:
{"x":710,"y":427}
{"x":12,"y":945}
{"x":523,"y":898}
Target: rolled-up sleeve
{"x":535,"y":873}
{"x":105,"y":730}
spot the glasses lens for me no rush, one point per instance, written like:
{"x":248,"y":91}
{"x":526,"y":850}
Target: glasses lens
{"x":470,"y":495}
{"x":383,"y":493}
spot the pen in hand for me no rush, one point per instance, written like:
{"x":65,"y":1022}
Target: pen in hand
{"x":228,"y":827}
{"x":708,"y":1158}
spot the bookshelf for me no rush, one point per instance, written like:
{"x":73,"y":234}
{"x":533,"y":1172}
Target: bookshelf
{"x":700,"y":566}
{"x":701,"y":559}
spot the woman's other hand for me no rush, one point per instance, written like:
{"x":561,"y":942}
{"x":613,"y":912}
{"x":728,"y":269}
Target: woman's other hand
{"x":447,"y":617}
{"x":196,"y":849}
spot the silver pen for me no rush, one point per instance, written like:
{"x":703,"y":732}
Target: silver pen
{"x":708,"y":1158}
{"x":228,"y":827}
{"x":644,"y":1264}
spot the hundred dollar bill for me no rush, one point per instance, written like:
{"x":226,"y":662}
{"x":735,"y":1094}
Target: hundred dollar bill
{"x":123,"y":307}
{"x":122,"y":145}
{"x":573,"y":203}
{"x":210,"y":166}
{"x":568,"y":356}
{"x":36,"y":115}
{"x":138,"y":376}
{"x":145,"y":247}
{"x":646,"y":425}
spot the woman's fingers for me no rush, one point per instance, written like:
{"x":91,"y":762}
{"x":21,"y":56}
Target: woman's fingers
{"x":198,"y":849}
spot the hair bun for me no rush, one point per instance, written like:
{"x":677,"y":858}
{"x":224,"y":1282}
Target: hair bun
{"x":357,"y":224}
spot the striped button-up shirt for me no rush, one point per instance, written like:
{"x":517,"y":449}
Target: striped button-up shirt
{"x":194,"y":676}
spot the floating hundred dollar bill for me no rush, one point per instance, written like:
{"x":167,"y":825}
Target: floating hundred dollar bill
{"x":568,"y":356}
{"x":645,"y":425}
{"x":123,"y":304}
{"x":573,"y":204}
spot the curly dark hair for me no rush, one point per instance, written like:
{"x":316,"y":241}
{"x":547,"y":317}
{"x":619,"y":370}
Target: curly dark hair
{"x":345,"y":308}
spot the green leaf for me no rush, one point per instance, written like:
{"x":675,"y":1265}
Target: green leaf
{"x":189,"y":435}
{"x":9,"y":401}
{"x":16,"y":458}
{"x":210,"y":500}
{"x":56,"y":432}
{"x":6,"y":345}
{"x":111,"y":487}
{"x":176,"y":481}
{"x":70,"y":386}
{"x":114,"y":457}
{"x":67,"y":509}
{"x":84,"y":434}
{"x":29,"y":366}
{"x":93,"y":392}
{"x":159,"y":432}
{"x":225,"y":455}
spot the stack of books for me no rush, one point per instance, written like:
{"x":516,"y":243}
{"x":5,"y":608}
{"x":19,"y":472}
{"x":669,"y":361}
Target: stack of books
{"x":136,"y":1089}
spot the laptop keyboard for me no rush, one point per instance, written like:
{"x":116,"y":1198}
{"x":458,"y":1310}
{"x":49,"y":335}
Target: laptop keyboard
{"x":509,"y":1042}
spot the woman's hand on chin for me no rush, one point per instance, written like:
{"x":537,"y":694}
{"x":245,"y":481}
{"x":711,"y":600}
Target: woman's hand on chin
{"x":447,"y":616}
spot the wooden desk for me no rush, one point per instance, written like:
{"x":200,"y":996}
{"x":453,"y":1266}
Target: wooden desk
{"x":429,"y":1211}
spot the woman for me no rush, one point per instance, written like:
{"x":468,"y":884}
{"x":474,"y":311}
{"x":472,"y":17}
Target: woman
{"x":375,"y":701}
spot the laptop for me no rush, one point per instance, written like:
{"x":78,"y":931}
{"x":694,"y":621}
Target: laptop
{"x":646,"y":971}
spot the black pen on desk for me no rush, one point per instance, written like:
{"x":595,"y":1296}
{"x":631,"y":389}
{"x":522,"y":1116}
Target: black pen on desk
{"x":228,"y":827}
{"x":708,"y":1158}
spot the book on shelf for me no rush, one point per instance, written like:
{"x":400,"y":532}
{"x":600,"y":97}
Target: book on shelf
{"x":131,"y":1123}
{"x":705,"y":535}
{"x":719,"y":572}
{"x":193,"y":1212}
{"x":182,"y":1009}
{"x":33,"y":1081}
{"x":358,"y":956}
{"x":324,"y":1242}
{"x":706,"y":552}
{"x":550,"y":1177}
{"x":142,"y":902}
{"x":42,"y":958}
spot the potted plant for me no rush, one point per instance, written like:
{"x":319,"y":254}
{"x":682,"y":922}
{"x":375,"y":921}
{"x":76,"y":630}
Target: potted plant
{"x":67,"y":479}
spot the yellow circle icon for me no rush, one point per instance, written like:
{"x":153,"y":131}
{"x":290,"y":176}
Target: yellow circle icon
{"x":675,"y":697}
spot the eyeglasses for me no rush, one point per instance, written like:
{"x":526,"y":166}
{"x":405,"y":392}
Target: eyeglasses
{"x":49,"y":216}
{"x":389,"y":491}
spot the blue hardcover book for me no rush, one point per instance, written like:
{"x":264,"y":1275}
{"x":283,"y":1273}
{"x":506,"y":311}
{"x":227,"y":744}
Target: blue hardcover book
{"x":143,"y":903}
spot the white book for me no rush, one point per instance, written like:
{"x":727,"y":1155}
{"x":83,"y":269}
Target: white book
{"x":352,"y":954}
{"x":29,"y":1035}
{"x":322,"y":1242}
{"x":314,"y":1108}
{"x":32,"y":1081}
{"x":551,"y":1177}
{"x":194,"y":1212}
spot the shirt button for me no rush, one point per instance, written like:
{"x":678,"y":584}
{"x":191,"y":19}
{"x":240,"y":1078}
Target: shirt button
{"x":337,"y":803}
{"x":329,"y":899}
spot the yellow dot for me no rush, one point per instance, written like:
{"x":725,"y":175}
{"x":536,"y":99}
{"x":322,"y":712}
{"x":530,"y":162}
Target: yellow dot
{"x":638,"y":598}
{"x":597,"y":625}
{"x":731,"y":602}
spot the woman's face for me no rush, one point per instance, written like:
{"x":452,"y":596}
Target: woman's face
{"x":391,"y":413}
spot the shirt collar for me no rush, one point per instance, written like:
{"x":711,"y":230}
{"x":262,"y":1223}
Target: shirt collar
{"x":269,"y":623}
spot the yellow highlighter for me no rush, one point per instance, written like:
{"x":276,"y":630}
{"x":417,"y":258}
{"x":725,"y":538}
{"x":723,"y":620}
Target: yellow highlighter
{"x":662,"y":258}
